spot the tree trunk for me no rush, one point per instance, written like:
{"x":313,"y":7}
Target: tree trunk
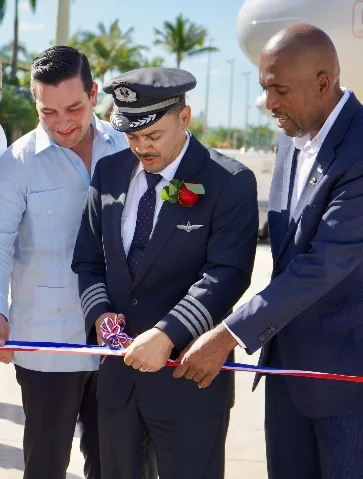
{"x":178,"y":59}
{"x":14,"y":64}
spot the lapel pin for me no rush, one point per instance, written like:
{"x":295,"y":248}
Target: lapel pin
{"x":320,"y":169}
{"x":313,"y":181}
{"x":188,"y":227}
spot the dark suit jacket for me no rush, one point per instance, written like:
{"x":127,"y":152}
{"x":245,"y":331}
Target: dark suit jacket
{"x":314,"y":304}
{"x":187,"y":281}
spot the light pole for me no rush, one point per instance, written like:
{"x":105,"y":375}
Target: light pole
{"x":205,"y":122}
{"x":247,"y":77}
{"x":62,"y":25}
{"x":231,"y":62}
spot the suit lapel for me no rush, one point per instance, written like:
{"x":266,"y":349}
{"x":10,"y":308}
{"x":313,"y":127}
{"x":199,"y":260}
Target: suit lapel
{"x":171,"y":214}
{"x":290,"y":154}
{"x":321,"y":165}
{"x":118,"y":192}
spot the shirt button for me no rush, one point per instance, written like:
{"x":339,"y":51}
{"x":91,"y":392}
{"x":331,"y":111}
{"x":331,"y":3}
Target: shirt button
{"x":134,"y":302}
{"x":50,"y":212}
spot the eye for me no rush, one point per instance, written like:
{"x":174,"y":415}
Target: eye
{"x":47,"y":113}
{"x":282,"y":92}
{"x":154,"y":138}
{"x":74,"y":109}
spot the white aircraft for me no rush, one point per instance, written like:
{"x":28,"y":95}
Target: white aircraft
{"x":342,"y":20}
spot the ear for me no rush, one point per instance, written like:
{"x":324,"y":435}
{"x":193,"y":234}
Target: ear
{"x":323,"y":83}
{"x":94,"y":94}
{"x":185,"y":116}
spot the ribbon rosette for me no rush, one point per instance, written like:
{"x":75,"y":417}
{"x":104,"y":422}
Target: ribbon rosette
{"x":112,"y":333}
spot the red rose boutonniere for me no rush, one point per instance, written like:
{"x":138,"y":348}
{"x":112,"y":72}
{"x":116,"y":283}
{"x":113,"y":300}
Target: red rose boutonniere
{"x":185,"y":192}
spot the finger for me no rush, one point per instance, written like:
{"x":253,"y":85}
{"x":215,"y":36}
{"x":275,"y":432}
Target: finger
{"x":191,"y":373}
{"x":120,"y":316}
{"x":4,"y":336}
{"x":7,"y":357}
{"x":198,"y":378}
{"x":137,"y":364}
{"x":206,"y":381}
{"x":180,"y":370}
{"x":128,"y":359}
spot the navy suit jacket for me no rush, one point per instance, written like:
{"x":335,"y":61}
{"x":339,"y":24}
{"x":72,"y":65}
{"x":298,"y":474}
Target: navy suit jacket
{"x":187,"y":283}
{"x":313,"y":307}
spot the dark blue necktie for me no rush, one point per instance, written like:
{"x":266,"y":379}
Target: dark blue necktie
{"x":144,"y":223}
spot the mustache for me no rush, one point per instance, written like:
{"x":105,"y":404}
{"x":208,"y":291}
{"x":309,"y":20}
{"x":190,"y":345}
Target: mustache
{"x":148,"y":155}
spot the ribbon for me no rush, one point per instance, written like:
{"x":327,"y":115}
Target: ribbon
{"x":66,"y":348}
{"x":114,"y":341}
{"x":112,"y":332}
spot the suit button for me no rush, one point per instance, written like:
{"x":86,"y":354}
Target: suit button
{"x":134,"y":302}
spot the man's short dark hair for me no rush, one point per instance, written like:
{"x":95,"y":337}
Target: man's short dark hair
{"x":60,"y":63}
{"x":177,"y":108}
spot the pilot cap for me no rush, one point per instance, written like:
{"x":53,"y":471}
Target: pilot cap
{"x":141,"y":97}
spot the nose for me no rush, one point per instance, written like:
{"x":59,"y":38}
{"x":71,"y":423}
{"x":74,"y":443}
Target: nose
{"x":63,"y":123}
{"x":272,"y":101}
{"x":143,"y":145}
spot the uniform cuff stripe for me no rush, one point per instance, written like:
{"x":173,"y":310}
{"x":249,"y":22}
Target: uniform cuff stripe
{"x":92,"y":288}
{"x":190,"y":317}
{"x":100,"y":294}
{"x":181,"y":318}
{"x":194,"y":314}
{"x":201,"y":308}
{"x":97,"y":301}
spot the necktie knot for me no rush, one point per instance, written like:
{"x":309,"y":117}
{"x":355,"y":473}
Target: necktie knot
{"x":152,"y":179}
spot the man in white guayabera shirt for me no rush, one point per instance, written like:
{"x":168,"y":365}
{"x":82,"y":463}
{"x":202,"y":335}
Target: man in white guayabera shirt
{"x":44,"y":178}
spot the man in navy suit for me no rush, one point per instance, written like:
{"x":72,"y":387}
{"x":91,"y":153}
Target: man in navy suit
{"x":171,"y":269}
{"x":310,"y":316}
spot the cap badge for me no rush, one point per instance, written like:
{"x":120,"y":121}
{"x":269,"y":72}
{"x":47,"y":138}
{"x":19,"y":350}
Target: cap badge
{"x":125,"y":94}
{"x":116,"y":122}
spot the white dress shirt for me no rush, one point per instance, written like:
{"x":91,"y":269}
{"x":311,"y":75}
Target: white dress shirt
{"x":309,"y":150}
{"x":43,"y":188}
{"x":137,"y":187}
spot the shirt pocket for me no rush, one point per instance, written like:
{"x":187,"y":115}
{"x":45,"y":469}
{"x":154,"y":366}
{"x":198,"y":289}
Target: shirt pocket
{"x":47,"y":217}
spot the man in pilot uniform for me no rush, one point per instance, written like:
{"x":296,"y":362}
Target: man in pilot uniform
{"x":172,"y":270}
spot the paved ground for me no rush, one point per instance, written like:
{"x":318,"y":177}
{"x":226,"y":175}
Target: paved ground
{"x":245,"y":445}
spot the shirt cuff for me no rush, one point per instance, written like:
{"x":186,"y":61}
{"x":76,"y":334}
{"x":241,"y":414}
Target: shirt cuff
{"x":241,"y":343}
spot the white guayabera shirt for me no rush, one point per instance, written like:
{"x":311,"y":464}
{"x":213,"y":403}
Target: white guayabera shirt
{"x":43,"y":188}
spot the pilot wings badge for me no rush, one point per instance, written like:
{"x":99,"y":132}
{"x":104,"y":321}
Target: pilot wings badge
{"x":188,"y":227}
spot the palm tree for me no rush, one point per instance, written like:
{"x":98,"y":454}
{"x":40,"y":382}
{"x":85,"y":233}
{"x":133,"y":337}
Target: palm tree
{"x":3,"y":3}
{"x":183,"y":38}
{"x":152,"y":62}
{"x":24,"y":62}
{"x":108,"y":50}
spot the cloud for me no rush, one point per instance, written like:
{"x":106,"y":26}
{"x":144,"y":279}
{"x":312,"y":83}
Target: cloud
{"x":31,"y":26}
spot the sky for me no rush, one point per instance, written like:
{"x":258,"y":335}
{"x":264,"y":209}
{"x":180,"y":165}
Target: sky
{"x":219,"y":17}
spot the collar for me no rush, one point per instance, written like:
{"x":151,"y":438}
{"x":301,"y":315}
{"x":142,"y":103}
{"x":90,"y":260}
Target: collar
{"x":168,"y":172}
{"x":306,"y":145}
{"x":44,"y":141}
